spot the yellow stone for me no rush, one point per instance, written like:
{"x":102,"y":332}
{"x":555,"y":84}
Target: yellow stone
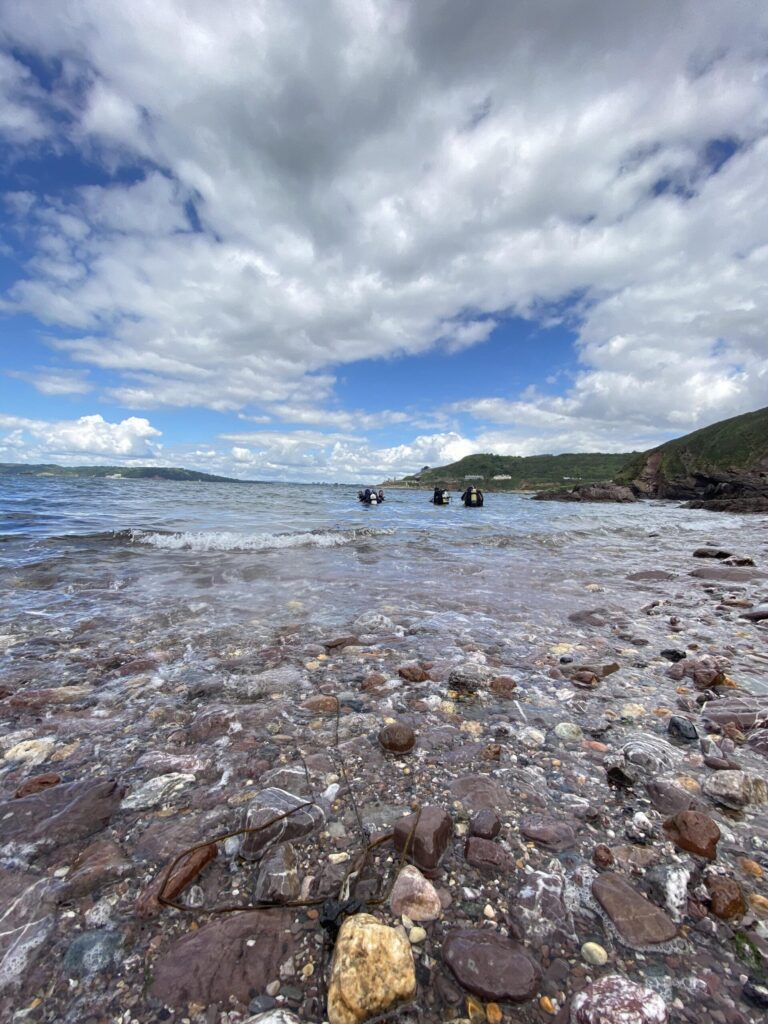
{"x":475,"y":1010}
{"x":372,"y":970}
{"x":750,"y":867}
{"x":473,"y":728}
{"x":759,"y":904}
{"x":547,"y":1005}
{"x":308,"y":970}
{"x":688,"y":783}
{"x":493,"y":1013}
{"x":561,"y":649}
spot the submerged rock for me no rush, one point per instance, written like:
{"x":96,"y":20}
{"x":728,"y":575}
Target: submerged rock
{"x":638,"y":921}
{"x":695,"y":832}
{"x":617,"y":1000}
{"x":550,"y":832}
{"x":736,"y":789}
{"x":397,"y":738}
{"x":278,"y":880}
{"x":372,"y":970}
{"x":60,"y":814}
{"x":726,"y":898}
{"x":415,"y":896}
{"x":92,"y":952}
{"x":426,"y":835}
{"x":280,"y":817}
{"x":486,"y":824}
{"x":231,"y":956}
{"x":745,"y":711}
{"x":491,"y":966}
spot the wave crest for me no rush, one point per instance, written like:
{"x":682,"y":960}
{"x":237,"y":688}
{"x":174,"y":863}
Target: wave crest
{"x":225,"y":540}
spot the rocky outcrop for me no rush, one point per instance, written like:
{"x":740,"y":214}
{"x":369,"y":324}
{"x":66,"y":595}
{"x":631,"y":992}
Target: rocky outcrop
{"x":590,"y":492}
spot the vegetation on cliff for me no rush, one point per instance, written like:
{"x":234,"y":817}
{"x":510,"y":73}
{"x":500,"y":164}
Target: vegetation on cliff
{"x":524,"y":472}
{"x":723,"y":460}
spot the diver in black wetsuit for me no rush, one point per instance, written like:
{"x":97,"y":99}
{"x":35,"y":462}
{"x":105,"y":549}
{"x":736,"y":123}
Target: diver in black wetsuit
{"x":440,"y":497}
{"x":472,"y":498}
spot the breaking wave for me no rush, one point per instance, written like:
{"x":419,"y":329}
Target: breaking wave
{"x":224,"y":540}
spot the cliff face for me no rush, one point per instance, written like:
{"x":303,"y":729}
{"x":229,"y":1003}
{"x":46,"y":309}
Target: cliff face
{"x":724,"y":463}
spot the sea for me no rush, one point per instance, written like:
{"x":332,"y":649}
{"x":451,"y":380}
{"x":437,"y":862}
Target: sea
{"x":155,"y":564}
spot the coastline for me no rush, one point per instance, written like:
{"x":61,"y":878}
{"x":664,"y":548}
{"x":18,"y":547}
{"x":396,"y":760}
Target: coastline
{"x":565,"y":738}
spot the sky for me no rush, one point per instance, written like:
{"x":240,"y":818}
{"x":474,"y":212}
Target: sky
{"x":343,"y":239}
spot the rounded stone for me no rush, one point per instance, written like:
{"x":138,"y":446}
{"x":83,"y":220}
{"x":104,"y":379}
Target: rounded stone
{"x":491,"y":966}
{"x":415,"y":896}
{"x":569,"y":732}
{"x":617,"y":1000}
{"x":695,"y":832}
{"x":397,"y":738}
{"x":372,"y":970}
{"x":486,"y":824}
{"x":593,"y":953}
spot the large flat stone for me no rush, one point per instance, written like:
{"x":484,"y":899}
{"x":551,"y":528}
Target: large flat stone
{"x":638,"y":921}
{"x":231,"y":956}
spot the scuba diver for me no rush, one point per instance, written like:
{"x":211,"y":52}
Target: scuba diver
{"x":472,"y":498}
{"x":380,"y":495}
{"x":369,"y":496}
{"x":440,"y":497}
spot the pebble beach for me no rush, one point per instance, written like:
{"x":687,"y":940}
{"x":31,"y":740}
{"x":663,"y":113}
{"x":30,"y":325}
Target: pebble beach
{"x":512,"y":761}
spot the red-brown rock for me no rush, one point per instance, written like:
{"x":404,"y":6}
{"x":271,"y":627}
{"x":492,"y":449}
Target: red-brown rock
{"x":726,"y":898}
{"x":488,"y":856}
{"x":503,"y":686}
{"x":491,"y":965}
{"x":638,"y":921}
{"x":413,"y":673}
{"x":171,"y":885}
{"x":37,"y":784}
{"x":397,"y":738}
{"x":230,"y":957}
{"x":695,"y":832}
{"x":429,"y":833}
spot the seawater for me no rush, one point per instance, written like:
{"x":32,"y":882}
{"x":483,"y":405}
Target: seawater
{"x":158,"y":562}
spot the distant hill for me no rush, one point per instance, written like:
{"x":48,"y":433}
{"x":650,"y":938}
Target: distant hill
{"x":724,"y":461}
{"x":531,"y":472}
{"x":122,"y":472}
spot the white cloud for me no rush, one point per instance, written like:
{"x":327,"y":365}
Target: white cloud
{"x":50,"y":381}
{"x":70,"y":440}
{"x":378,"y":178}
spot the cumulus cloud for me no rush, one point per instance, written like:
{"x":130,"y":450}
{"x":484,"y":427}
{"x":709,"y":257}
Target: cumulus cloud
{"x":326,"y":183}
{"x":70,"y":440}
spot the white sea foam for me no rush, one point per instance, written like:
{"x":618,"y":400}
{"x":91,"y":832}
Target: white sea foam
{"x":223,"y":540}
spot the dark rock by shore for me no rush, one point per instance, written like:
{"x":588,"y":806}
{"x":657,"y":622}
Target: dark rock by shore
{"x":607,"y":492}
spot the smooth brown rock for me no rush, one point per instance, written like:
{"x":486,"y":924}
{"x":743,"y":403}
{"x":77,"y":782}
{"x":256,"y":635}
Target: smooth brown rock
{"x":491,"y":966}
{"x":372,"y":682}
{"x":695,"y":832}
{"x":669,"y":798}
{"x":488,"y":856}
{"x":726,"y":897}
{"x":546,"y":831}
{"x":415,"y":896}
{"x":729,"y":574}
{"x":60,"y":814}
{"x":37,"y":700}
{"x":321,"y":704}
{"x":339,"y":642}
{"x":602,"y":856}
{"x":397,"y":738}
{"x":638,"y":921}
{"x":503,"y":686}
{"x":231,"y":956}
{"x":413,"y":673}
{"x":372,"y":971}
{"x":170,"y":885}
{"x":101,"y":862}
{"x":486,"y":824}
{"x":430,"y":833}
{"x":37,"y":784}
{"x":478,"y":792}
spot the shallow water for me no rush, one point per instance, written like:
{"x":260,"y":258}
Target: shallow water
{"x":152,"y":554}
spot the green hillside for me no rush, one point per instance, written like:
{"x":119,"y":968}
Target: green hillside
{"x":524,"y":472}
{"x":731,"y":451}
{"x":124,"y":472}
